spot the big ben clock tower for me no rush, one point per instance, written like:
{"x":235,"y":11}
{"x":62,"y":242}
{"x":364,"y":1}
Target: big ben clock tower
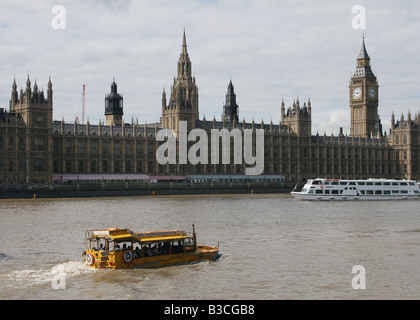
{"x":363,"y":97}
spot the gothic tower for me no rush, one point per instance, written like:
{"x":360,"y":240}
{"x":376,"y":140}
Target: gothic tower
{"x":297,"y":118}
{"x":36,"y":143}
{"x":35,"y":108}
{"x":114,"y":106}
{"x":363,"y":97}
{"x":183,"y":102}
{"x":230,"y":109}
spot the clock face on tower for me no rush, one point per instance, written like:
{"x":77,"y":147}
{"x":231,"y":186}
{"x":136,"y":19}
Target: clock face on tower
{"x":357,"y":93}
{"x":372,"y":93}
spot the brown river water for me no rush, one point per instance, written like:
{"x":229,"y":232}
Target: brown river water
{"x":272,"y":246}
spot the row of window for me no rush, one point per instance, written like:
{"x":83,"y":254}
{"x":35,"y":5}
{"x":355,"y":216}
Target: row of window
{"x":117,"y":148}
{"x":11,"y":143}
{"x":116,"y":166}
{"x":365,"y":183}
{"x":404,"y":140}
{"x":105,"y":147}
{"x":362,"y":192}
{"x":39,"y":144}
{"x":38,"y":165}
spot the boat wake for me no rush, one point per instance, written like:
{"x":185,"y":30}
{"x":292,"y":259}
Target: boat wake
{"x":33,"y":277}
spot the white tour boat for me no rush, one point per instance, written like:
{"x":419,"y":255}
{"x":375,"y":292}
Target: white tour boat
{"x":370,"y":189}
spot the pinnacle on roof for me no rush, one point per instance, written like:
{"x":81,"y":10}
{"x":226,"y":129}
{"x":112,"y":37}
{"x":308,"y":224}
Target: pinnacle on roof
{"x":363,"y":52}
{"x":184,"y":44}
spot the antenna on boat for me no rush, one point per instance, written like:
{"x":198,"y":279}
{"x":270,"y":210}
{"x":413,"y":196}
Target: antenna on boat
{"x":194,"y":238}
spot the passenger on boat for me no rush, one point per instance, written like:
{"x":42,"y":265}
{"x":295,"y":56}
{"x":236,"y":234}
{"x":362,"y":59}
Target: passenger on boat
{"x":161,"y":249}
{"x":144,"y":250}
{"x":137,"y":253}
{"x":178,"y":247}
{"x":153,"y":251}
{"x":149,"y":251}
{"x":166,"y":247}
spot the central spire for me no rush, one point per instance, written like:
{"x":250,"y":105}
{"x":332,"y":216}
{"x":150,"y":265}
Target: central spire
{"x":184,"y":45}
{"x":184,"y":63}
{"x":183,"y":101}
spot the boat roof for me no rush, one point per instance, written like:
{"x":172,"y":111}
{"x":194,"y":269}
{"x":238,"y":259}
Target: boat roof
{"x":120,"y":234}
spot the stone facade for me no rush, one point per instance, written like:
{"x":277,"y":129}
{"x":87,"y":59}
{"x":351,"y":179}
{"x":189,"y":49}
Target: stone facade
{"x":33,"y":147}
{"x":26,"y":137}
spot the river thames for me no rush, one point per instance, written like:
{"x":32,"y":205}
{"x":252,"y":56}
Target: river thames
{"x":272,"y":246}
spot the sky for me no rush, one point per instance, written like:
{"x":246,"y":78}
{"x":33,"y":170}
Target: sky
{"x":271,"y":49}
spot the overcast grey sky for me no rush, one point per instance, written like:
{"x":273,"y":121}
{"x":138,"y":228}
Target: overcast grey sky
{"x":271,"y":50}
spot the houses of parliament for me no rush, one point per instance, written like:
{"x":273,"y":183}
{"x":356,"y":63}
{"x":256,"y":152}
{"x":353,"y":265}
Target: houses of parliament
{"x":35,"y":149}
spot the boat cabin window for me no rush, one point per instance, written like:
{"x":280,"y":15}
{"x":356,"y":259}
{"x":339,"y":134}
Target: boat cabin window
{"x":188,"y":242}
{"x":177,"y":247}
{"x":159,"y":248}
{"x":387,"y":183}
{"x":334,"y":183}
{"x":369,"y":183}
{"x":97,"y":244}
{"x":378,"y":183}
{"x":395,"y":184}
{"x":361,"y":183}
{"x":343,"y":183}
{"x":327,"y":183}
{"x":122,"y":245}
{"x":352,"y":183}
{"x":319,"y":191}
{"x":100,"y":245}
{"x":403,"y":183}
{"x":311,"y":191}
{"x":315,"y":182}
{"x":395,"y":191}
{"x":411,"y":183}
{"x":152,"y":249}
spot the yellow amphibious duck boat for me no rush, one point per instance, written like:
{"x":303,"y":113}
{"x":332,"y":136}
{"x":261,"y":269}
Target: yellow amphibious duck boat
{"x":124,"y":249}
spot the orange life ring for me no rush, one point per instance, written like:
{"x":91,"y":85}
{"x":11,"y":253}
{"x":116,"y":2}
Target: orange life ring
{"x":90,"y":259}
